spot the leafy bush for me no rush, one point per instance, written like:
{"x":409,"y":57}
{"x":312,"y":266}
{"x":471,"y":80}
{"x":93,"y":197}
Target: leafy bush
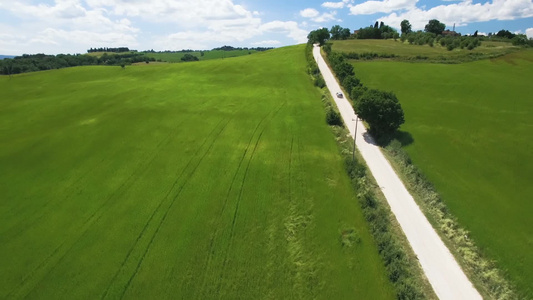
{"x":357,"y":92}
{"x":349,"y":83}
{"x":381,"y":110}
{"x":333,"y":118}
{"x":319,"y":81}
{"x":189,"y":57}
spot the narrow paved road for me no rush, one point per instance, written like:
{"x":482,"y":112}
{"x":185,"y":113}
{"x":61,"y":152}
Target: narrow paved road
{"x":443,"y":272}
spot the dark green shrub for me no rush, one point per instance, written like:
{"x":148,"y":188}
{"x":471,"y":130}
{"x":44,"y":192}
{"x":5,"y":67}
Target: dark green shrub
{"x":333,"y":118}
{"x":319,"y":81}
{"x":349,"y":83}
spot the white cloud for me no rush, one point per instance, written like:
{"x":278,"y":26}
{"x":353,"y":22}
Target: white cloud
{"x":315,"y":16}
{"x":71,"y":26}
{"x":385,"y":6}
{"x":267,"y":43}
{"x":194,"y":39}
{"x":529,"y":33}
{"x":290,"y":28}
{"x":65,"y":26}
{"x":309,"y":13}
{"x":186,"y":13}
{"x":326,"y":17}
{"x":336,"y":5}
{"x":464,"y":13}
{"x":88,"y":38}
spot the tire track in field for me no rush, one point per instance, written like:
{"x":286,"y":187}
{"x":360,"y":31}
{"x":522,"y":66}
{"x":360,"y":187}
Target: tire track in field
{"x":40,"y":272}
{"x":141,"y":234}
{"x":186,"y":180}
{"x":217,"y":228}
{"x":36,"y":220}
{"x":235,"y":213}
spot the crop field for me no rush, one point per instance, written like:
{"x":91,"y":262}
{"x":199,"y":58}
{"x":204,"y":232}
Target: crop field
{"x":214,"y":179}
{"x":471,"y":126}
{"x":406,"y":51}
{"x":211,"y":54}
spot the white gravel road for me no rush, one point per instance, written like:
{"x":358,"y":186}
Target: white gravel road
{"x":443,"y":272}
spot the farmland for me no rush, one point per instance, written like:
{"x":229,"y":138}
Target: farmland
{"x":405,"y":51}
{"x":214,"y":179}
{"x":211,"y":54}
{"x":471,"y":136}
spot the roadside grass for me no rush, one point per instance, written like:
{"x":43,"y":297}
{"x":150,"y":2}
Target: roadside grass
{"x":402,"y":264}
{"x":470,"y":126}
{"x":216,"y":179}
{"x":404,"y":51}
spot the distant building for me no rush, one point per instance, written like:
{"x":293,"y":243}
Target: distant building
{"x":450,"y":33}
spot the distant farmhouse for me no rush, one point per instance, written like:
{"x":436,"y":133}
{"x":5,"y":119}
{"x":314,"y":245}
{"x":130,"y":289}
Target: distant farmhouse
{"x":450,"y":33}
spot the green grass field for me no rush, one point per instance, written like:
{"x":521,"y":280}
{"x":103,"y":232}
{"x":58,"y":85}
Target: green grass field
{"x":218,"y":179}
{"x":211,"y":54}
{"x":471,"y":124}
{"x":436,"y":53}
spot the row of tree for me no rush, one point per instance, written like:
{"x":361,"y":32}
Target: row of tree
{"x":230,"y":48}
{"x":114,"y":50}
{"x":41,"y":62}
{"x":380,"y":109}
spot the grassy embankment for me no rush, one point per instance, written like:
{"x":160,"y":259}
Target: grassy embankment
{"x":470,"y":126}
{"x":200,"y":180}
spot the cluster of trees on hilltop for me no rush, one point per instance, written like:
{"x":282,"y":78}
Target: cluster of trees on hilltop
{"x":378,"y":31}
{"x":516,"y":39}
{"x":223,"y":48}
{"x":115,"y":50}
{"x":322,"y":35}
{"x":435,"y":33}
{"x":230,"y":48}
{"x":41,"y":62}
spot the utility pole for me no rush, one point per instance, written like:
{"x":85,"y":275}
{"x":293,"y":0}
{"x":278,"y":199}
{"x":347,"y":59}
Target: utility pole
{"x":354,"y":136}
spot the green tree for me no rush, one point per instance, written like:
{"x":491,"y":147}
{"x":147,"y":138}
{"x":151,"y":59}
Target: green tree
{"x":339,"y":33}
{"x":520,"y":40}
{"x":381,"y":110}
{"x":349,"y":83}
{"x":405,"y":26}
{"x":336,"y":32}
{"x":435,"y":27}
{"x":345,"y":33}
{"x":319,"y":36}
{"x":505,"y":33}
{"x":189,"y":57}
{"x":357,"y":92}
{"x":343,"y":70}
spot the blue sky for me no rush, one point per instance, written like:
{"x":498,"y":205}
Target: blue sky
{"x":73,"y":26}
